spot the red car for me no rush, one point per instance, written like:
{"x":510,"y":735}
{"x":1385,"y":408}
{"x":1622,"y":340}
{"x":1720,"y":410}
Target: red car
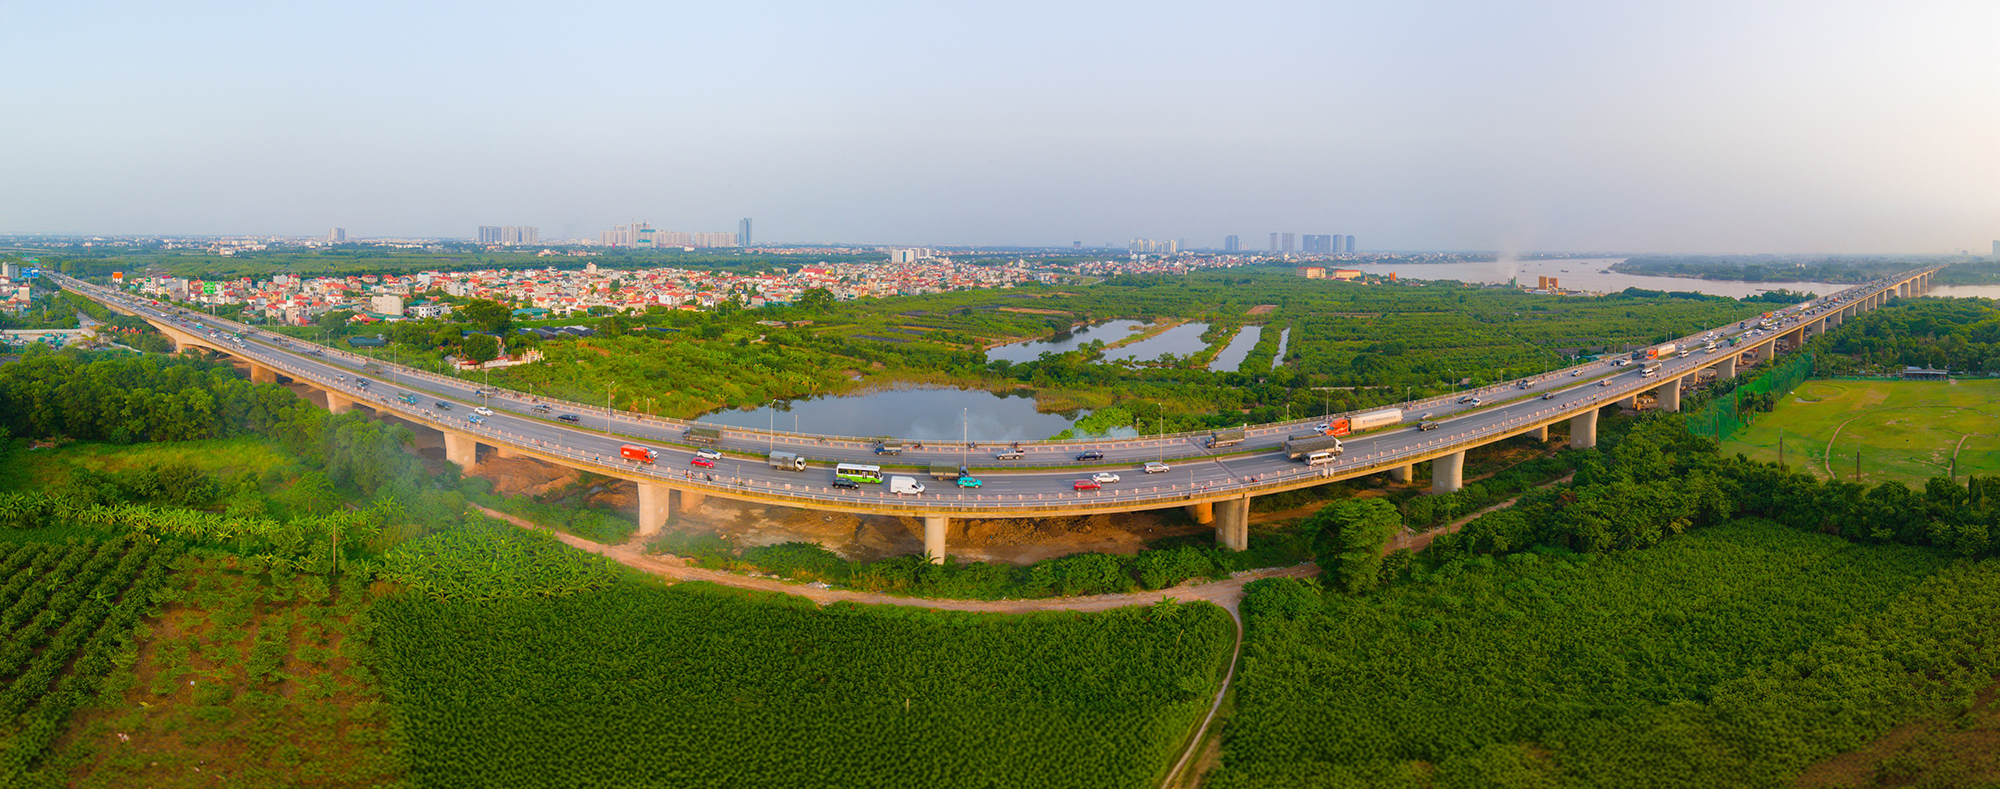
{"x":1085,"y":484}
{"x":702,"y":462}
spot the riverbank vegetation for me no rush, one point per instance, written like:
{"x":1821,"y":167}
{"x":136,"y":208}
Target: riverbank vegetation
{"x":1769,"y":268}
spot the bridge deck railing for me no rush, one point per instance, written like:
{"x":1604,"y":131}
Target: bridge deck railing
{"x":672,"y":425}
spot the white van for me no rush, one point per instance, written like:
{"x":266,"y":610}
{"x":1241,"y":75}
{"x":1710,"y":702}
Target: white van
{"x":1321,"y":458}
{"x":905,"y":486}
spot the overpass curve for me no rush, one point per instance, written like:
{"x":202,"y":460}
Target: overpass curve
{"x":1214,"y":486}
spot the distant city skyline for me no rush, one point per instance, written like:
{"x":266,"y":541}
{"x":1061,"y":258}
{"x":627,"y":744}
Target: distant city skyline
{"x":1701,"y":127}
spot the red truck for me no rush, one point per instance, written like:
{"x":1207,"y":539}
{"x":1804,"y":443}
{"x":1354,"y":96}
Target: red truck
{"x":641,"y":454}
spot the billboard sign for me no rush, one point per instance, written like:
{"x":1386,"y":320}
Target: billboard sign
{"x":208,"y":288}
{"x":118,"y":276}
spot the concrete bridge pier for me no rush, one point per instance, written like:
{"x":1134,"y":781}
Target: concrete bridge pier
{"x":1583,"y":430}
{"x":338,"y":404}
{"x":1669,"y":395}
{"x":1726,"y":369}
{"x":934,"y":531}
{"x":1541,"y":433}
{"x":1203,"y":512}
{"x":1448,"y":472}
{"x":653,"y":507}
{"x":263,"y":375}
{"x":1403,"y":473}
{"x":691,"y":499}
{"x":1629,"y":403}
{"x":1232,"y":524}
{"x":462,"y":450}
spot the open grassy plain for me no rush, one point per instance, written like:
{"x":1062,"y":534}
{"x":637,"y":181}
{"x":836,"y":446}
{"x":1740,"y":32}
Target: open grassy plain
{"x":1906,"y":431}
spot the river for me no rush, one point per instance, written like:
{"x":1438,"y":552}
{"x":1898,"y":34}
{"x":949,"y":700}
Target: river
{"x":1583,"y":274}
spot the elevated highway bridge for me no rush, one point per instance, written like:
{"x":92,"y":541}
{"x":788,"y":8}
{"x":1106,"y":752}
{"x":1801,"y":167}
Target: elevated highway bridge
{"x":1215,"y":486}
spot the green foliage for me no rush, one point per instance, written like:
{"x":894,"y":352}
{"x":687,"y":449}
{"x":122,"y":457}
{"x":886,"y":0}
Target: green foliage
{"x":691,"y":686}
{"x":1730,"y":656}
{"x":491,"y":560}
{"x":480,"y":347}
{"x":1350,"y":538}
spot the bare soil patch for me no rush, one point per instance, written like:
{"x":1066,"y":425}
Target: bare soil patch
{"x":1961,"y":752}
{"x":1262,"y":309}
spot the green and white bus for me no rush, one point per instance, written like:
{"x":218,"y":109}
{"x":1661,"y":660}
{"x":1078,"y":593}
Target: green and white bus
{"x":858,"y":472}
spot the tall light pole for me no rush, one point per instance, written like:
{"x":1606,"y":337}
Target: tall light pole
{"x":1160,"y":432}
{"x":607,"y":406}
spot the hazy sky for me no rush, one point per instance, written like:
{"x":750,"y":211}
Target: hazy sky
{"x":1643,"y":126}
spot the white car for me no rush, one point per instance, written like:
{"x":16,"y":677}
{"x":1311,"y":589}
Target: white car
{"x":1104,"y":477}
{"x":483,"y":411}
{"x":1155,"y":467}
{"x":705,"y":452}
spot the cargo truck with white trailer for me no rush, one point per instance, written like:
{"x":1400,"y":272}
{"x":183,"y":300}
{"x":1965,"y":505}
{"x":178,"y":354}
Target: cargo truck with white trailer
{"x":787,"y":461}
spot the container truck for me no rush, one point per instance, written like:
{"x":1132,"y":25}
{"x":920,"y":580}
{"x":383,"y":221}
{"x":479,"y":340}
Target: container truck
{"x":889,"y":446}
{"x":638,"y":453}
{"x":1375,"y":419}
{"x":946,"y":471}
{"x":1225,"y":438}
{"x":1651,"y":369}
{"x":1303,"y":446}
{"x":702,"y":435}
{"x":786,"y":461}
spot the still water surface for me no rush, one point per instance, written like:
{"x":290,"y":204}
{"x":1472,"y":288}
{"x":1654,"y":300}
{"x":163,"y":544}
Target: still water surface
{"x":1180,"y":341}
{"x":1030,"y":350}
{"x":1231,"y":358}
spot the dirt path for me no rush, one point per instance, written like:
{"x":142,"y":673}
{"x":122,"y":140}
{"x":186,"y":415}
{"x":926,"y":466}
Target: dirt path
{"x":1228,"y":594}
{"x":1417,"y":542}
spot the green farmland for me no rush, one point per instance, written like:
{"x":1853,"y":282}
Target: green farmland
{"x":1906,"y":431}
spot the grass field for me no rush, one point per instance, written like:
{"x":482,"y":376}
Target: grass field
{"x":27,"y":469}
{"x":1906,"y":431}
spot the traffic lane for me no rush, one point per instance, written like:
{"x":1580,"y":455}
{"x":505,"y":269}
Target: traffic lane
{"x":462,"y":389}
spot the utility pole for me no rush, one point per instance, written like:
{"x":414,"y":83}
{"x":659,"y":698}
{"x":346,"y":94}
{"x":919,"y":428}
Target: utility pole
{"x":1857,"y":464}
{"x":1781,"y":449}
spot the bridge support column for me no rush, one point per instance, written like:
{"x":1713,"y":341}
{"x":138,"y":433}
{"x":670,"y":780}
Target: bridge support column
{"x":1583,"y":430}
{"x":934,"y":530}
{"x":1201,"y":512}
{"x":1629,"y":403}
{"x":338,"y":403}
{"x":1726,"y":369}
{"x":1403,"y":473}
{"x":1541,"y":433}
{"x":1448,"y":472}
{"x":691,"y":499}
{"x":263,"y":375}
{"x":1232,"y":524}
{"x":461,"y":450}
{"x":653,"y":507}
{"x":1669,"y":395}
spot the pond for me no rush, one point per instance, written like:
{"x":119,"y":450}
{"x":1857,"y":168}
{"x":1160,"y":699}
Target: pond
{"x":1284,"y":339}
{"x":1030,"y":350}
{"x":1231,"y":358}
{"x":924,"y":414}
{"x":1180,"y":340}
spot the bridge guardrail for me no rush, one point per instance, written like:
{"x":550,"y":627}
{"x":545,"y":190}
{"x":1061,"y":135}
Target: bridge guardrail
{"x":810,"y":439}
